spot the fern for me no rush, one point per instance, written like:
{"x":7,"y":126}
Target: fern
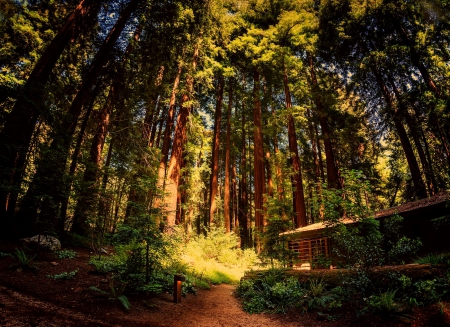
{"x":124,"y":300}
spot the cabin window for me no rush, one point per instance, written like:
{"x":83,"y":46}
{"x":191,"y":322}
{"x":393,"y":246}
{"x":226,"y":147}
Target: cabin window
{"x":312,"y":251}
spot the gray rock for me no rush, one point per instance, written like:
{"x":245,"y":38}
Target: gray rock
{"x":45,"y":242}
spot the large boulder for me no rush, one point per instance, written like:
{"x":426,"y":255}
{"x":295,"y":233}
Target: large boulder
{"x":45,"y":242}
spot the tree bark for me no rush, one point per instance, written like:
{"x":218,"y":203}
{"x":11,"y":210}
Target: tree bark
{"x":226,"y":195}
{"x":332,"y":172}
{"x":74,"y":163}
{"x":89,"y":194}
{"x":179,"y":141}
{"x":259,"y":179}
{"x":299,"y":198}
{"x":415,"y":136}
{"x":243,"y":195}
{"x":318,"y":172}
{"x":53,"y":167}
{"x":213,"y":186}
{"x":168,"y":132}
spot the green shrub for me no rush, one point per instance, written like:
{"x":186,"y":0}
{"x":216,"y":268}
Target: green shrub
{"x":384,"y":303}
{"x":105,"y":264}
{"x":66,"y":254}
{"x":65,"y":275}
{"x":272,"y":293}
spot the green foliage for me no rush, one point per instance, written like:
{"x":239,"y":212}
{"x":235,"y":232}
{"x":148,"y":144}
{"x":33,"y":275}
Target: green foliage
{"x":66,"y":254}
{"x":272,"y":293}
{"x":383,"y":303}
{"x":399,"y":248}
{"x":274,"y":244}
{"x":216,"y":257}
{"x":124,"y":300}
{"x":65,"y":275}
{"x":322,"y":262}
{"x":275,"y":292}
{"x":435,"y":259}
{"x":22,"y":259}
{"x":115,"y":293}
{"x":361,"y":245}
{"x":106,"y":264}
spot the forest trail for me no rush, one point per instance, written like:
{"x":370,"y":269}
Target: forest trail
{"x":215,"y":307}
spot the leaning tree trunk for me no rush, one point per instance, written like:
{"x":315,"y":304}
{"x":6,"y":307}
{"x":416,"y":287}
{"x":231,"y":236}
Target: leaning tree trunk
{"x":18,"y":128}
{"x":74,"y":163}
{"x":213,"y":186}
{"x":89,"y":194}
{"x":53,"y":167}
{"x":415,"y":136}
{"x":299,"y":198}
{"x":406,"y":145}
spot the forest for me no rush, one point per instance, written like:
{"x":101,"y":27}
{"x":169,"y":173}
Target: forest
{"x":137,"y":121}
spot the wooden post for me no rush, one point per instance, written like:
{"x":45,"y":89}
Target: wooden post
{"x":177,"y":279}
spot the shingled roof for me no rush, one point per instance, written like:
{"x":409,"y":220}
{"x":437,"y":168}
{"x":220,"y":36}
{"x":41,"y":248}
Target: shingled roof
{"x":404,"y":210}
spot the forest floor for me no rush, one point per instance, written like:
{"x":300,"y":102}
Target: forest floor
{"x":30,"y":298}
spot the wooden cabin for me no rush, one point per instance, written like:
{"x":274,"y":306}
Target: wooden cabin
{"x":311,"y":244}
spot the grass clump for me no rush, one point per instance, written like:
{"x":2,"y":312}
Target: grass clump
{"x":435,"y":259}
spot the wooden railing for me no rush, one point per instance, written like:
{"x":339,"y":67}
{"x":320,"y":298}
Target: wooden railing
{"x":309,"y":251}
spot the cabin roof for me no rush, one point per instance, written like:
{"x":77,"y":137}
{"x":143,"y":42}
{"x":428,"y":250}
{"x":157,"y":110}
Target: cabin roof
{"x":404,"y":209}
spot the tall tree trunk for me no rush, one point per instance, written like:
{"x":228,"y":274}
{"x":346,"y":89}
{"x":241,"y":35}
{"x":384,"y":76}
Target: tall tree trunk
{"x":259,"y":179}
{"x":168,"y":132}
{"x":156,"y":121}
{"x":161,"y":123}
{"x":89,"y":194}
{"x":226,"y":196}
{"x":215,"y":150}
{"x":415,"y":136}
{"x":179,"y":141}
{"x":332,"y":172}
{"x":149,"y":121}
{"x":18,"y":128}
{"x":406,"y":145}
{"x":75,"y":155}
{"x":318,"y":178}
{"x":105,"y":201}
{"x":299,"y":198}
{"x":174,"y":167}
{"x":243,"y":195}
{"x":319,"y":152}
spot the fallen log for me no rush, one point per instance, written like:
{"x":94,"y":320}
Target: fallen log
{"x":334,"y":277}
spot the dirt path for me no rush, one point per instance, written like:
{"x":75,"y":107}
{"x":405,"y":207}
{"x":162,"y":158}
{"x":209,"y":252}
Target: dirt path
{"x":216,"y":307}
